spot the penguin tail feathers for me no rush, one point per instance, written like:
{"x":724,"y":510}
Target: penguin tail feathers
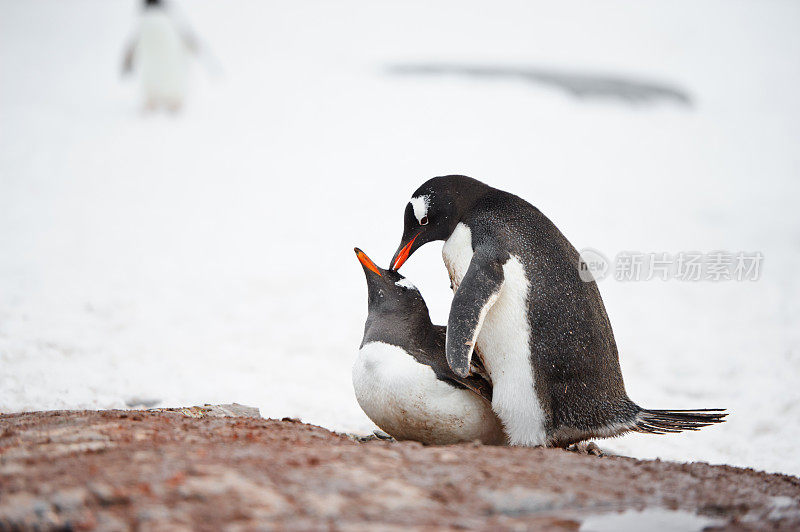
{"x":666,"y":421}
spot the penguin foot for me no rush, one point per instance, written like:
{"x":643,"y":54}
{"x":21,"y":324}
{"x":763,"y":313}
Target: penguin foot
{"x":382,"y":435}
{"x":376,"y":435}
{"x":174,"y":107}
{"x":589,"y":448}
{"x":150,"y":105}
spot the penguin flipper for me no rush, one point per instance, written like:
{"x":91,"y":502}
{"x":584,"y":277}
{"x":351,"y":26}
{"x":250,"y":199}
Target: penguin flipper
{"x":474,"y":383}
{"x":480,"y":386}
{"x":127,"y":58}
{"x":478,"y":291}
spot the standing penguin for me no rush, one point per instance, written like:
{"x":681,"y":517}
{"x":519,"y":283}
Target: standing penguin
{"x":161,"y":51}
{"x":401,"y":377}
{"x":542,"y":332}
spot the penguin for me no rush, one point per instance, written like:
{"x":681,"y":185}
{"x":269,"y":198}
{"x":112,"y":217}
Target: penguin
{"x":541,"y":331}
{"x":401,"y":378}
{"x":161,"y":52}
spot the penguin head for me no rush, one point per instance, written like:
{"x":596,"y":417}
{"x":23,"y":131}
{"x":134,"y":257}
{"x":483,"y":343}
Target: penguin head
{"x":152,"y":3}
{"x":434,"y":211}
{"x":390,"y":292}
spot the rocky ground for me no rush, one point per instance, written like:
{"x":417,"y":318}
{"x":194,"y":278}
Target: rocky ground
{"x":196,"y":469}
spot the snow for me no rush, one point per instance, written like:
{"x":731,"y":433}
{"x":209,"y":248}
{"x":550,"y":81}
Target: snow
{"x":207,"y":257}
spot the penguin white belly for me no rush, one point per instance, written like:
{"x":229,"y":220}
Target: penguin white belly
{"x":406,"y":400}
{"x":162,"y":60}
{"x":504,"y":343}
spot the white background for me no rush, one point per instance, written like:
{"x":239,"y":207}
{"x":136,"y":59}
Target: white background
{"x":207,"y":257}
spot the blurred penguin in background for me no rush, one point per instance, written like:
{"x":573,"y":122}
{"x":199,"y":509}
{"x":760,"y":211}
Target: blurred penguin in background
{"x":160,"y":51}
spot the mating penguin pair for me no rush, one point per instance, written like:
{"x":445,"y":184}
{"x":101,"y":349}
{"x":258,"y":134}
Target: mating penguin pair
{"x":539,"y":330}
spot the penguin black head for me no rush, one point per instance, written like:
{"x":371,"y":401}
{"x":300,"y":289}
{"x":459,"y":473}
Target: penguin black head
{"x":153,"y":3}
{"x":434,"y":211}
{"x":390,"y":293}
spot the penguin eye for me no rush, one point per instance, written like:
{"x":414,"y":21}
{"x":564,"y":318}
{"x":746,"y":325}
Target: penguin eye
{"x":424,"y":221}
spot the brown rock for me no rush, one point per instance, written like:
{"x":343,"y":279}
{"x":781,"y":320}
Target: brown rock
{"x":200,"y":469}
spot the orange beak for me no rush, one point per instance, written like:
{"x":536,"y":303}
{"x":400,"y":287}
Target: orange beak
{"x":366,"y":261}
{"x":403,"y":255}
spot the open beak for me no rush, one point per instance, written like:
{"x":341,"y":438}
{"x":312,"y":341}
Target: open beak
{"x":367,"y":262}
{"x":401,"y":256}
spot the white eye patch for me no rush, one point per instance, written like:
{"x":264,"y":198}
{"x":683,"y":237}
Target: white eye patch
{"x":420,"y":205}
{"x":405,"y":283}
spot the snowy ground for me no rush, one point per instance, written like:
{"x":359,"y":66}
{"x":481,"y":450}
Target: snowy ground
{"x":208,"y":257}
